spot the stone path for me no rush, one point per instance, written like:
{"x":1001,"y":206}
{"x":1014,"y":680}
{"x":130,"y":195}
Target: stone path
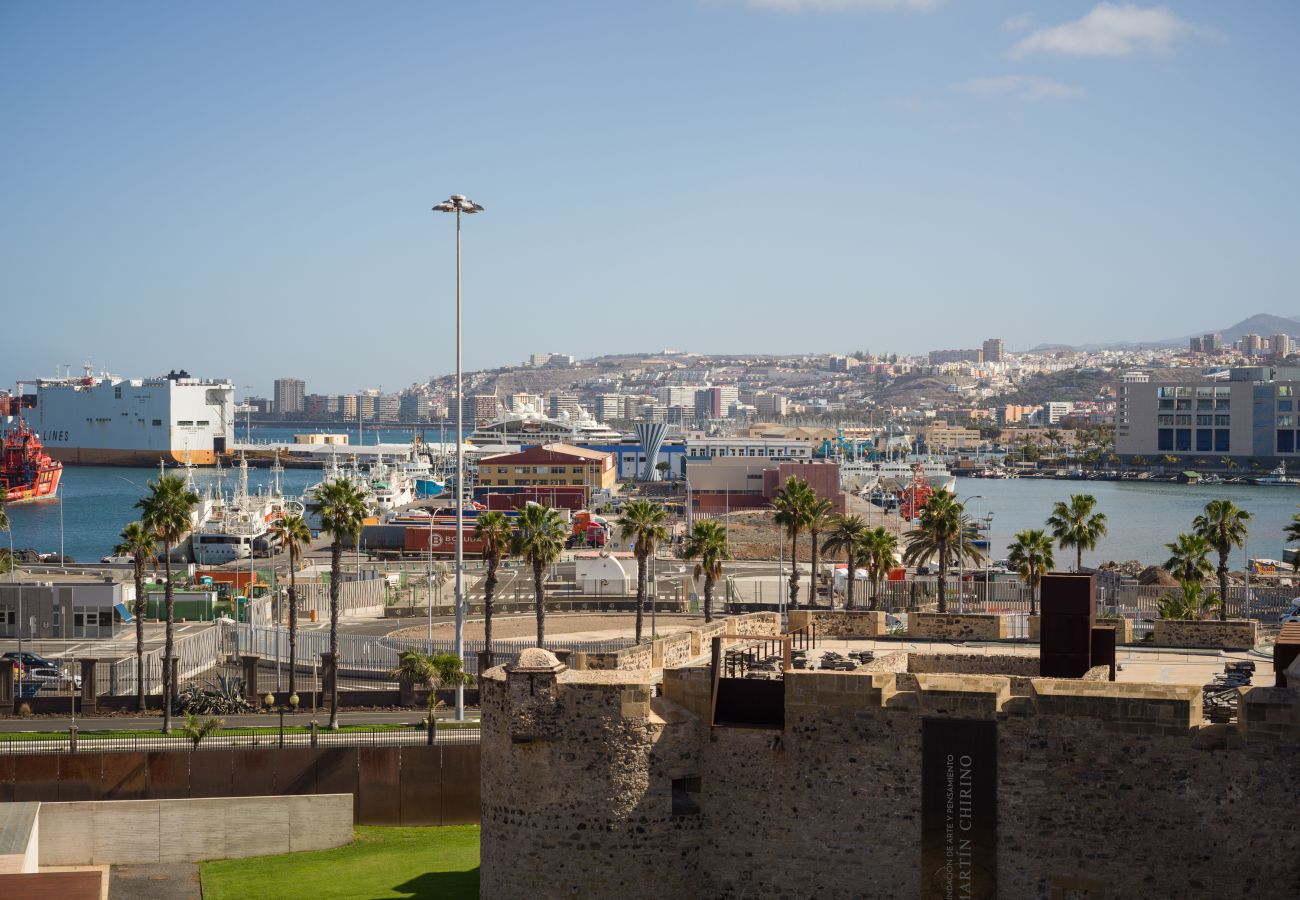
{"x":173,"y":881}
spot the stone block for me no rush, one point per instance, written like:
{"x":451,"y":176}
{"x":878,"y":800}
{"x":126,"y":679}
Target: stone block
{"x":957,"y":626}
{"x":1232,"y":634}
{"x":844,"y":623}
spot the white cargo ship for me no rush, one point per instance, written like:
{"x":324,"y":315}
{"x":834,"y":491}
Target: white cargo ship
{"x":109,"y":420}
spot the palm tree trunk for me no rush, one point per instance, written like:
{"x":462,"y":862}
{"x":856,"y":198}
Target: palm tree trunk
{"x":943,"y":581}
{"x":293,"y":622}
{"x":489,"y":594}
{"x":812,"y":585}
{"x":1078,"y":558}
{"x":848,"y":587}
{"x":1223,"y":586}
{"x":538,"y":592}
{"x":708,"y":598}
{"x":139,"y":635}
{"x":168,"y":603}
{"x":794,"y":570}
{"x":336,"y":572}
{"x":640,"y":593}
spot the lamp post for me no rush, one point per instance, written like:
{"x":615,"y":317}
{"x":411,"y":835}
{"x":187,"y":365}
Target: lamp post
{"x":458,"y":203}
{"x":961,"y":558}
{"x":269,"y":701}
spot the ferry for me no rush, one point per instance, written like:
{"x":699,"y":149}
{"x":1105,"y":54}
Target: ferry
{"x":102,"y":419}
{"x":531,"y":427}
{"x":863,"y":477}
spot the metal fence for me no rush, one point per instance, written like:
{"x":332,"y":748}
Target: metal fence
{"x":225,"y":739}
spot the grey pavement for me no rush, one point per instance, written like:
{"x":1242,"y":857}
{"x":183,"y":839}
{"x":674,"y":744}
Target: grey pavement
{"x":173,"y":881}
{"x":264,"y":720}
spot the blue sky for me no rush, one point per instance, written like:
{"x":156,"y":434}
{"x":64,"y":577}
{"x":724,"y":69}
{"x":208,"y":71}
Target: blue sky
{"x":243,"y":189}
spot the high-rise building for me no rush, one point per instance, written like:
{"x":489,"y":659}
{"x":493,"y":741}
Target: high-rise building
{"x":607,"y":407}
{"x":1281,"y":344}
{"x":415,"y":408}
{"x":482,"y":408}
{"x":562,"y":402}
{"x":290,"y":396}
{"x":938,"y":357}
{"x":1211,"y":342}
{"x":1251,"y":344}
{"x":1194,"y":344}
{"x":522,"y":402}
{"x":993,"y":350}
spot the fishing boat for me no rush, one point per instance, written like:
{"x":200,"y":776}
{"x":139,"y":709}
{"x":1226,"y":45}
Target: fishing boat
{"x":1278,"y":477}
{"x":243,"y":525}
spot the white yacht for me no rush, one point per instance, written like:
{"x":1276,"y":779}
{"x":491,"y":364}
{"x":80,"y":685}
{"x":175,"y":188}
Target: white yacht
{"x":531,"y":427}
{"x":1278,"y":477}
{"x":863,"y":477}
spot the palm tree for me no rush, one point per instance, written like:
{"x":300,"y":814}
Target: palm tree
{"x":819,"y":519}
{"x":1074,"y":524}
{"x":4,"y":526}
{"x":708,"y":544}
{"x":642,"y":525}
{"x":341,"y":508}
{"x":879,"y":549}
{"x":845,"y":534}
{"x":1291,"y":533}
{"x":493,"y":532}
{"x":941,"y":531}
{"x":167,"y":511}
{"x":293,"y":534}
{"x":435,"y":671}
{"x":791,"y":504}
{"x":1223,"y":525}
{"x":1187,"y":559}
{"x":539,"y":538}
{"x":1031,"y":555}
{"x":138,"y":543}
{"x":1189,"y":603}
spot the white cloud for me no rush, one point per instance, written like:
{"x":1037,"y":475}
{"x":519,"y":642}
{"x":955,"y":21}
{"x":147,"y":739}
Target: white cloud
{"x":1030,"y":88}
{"x":1112,"y":29}
{"x":1018,"y":23}
{"x":797,"y":6}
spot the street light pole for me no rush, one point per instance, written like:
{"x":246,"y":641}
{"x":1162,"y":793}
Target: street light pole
{"x":458,"y":204}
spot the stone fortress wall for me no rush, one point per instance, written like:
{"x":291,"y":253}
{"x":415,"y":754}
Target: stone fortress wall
{"x":608,"y":783}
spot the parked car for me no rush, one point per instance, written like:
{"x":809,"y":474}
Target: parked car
{"x":29,"y":663}
{"x":1292,"y":614}
{"x":52,"y":680}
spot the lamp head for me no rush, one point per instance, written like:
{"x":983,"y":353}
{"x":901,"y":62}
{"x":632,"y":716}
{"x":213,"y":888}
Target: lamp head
{"x":269,"y":699}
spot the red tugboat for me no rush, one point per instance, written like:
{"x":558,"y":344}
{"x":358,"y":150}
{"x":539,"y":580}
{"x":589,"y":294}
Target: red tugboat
{"x":26,"y":471}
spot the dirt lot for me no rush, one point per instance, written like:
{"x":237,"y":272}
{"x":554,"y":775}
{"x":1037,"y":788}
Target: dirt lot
{"x":584,"y":627}
{"x":754,"y":537}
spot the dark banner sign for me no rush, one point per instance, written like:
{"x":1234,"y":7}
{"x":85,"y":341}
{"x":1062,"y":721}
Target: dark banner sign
{"x":959,"y":812}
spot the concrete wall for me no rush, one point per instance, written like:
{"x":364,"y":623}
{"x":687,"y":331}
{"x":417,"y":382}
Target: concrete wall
{"x":169,"y":831}
{"x":957,"y":626}
{"x":1234,"y":633}
{"x":1104,"y":790}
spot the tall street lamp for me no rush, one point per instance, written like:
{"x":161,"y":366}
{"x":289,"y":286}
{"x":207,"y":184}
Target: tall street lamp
{"x":458,"y":203}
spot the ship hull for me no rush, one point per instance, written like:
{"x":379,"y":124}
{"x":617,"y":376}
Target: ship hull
{"x":44,"y":489}
{"x":95,"y":456}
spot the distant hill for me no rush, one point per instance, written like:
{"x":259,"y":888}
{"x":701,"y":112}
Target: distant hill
{"x":1264,"y":324}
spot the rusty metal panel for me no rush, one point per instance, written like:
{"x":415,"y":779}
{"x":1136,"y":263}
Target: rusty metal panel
{"x":749,"y":702}
{"x":6,"y":779}
{"x":254,"y":772}
{"x":167,"y":775}
{"x":124,"y":777}
{"x":380,"y":780}
{"x":460,"y":784}
{"x":295,"y":770}
{"x":421,"y":785}
{"x":36,"y":778}
{"x":210,"y":773}
{"x":84,"y":885}
{"x":336,"y":773}
{"x":80,"y":776}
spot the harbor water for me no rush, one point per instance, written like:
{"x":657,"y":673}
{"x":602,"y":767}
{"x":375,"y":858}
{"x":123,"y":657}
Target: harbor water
{"x":97,"y":501}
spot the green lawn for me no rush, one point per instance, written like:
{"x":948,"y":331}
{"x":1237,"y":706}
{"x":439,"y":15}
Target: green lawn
{"x":381,"y":862}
